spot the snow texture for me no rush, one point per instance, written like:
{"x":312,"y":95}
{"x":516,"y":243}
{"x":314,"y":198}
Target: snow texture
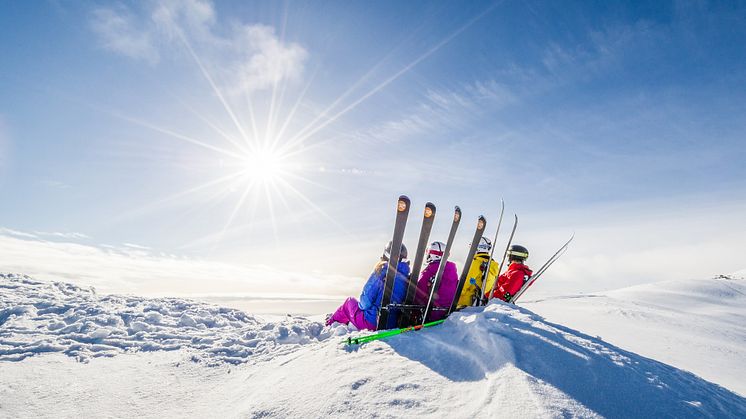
{"x":696,"y":325}
{"x":40,"y":317}
{"x":498,"y":360}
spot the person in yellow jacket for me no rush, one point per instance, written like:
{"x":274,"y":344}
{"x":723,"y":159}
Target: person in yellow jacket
{"x":473,"y":291}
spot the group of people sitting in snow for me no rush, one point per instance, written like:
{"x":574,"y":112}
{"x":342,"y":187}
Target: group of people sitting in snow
{"x":363,"y":313}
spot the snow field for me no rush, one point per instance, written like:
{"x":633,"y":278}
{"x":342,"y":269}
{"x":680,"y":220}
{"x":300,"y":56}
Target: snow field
{"x":115,"y":356}
{"x":696,"y":325}
{"x":39,"y":317}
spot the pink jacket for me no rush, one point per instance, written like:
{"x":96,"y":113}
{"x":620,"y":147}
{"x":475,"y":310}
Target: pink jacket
{"x":446,"y":291}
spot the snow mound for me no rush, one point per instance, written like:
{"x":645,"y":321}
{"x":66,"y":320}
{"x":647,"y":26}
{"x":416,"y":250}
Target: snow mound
{"x":498,"y":360}
{"x":697,"y":325}
{"x":40,"y":317}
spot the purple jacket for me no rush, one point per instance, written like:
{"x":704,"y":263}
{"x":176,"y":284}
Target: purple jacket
{"x":446,"y":291}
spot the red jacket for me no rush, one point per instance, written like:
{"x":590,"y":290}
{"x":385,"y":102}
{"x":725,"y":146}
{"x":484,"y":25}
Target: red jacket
{"x":511,"y":281}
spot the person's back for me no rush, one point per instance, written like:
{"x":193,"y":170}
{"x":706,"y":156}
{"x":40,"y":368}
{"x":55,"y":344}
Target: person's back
{"x":372,"y":295}
{"x":511,"y":281}
{"x":471,"y":291}
{"x":448,"y":282}
{"x":446,"y":290}
{"x":363,"y":314}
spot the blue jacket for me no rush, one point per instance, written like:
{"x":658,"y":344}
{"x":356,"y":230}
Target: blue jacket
{"x":370,"y":299}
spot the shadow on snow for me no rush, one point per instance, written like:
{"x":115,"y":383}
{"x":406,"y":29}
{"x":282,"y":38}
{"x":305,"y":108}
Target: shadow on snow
{"x":611,"y":381}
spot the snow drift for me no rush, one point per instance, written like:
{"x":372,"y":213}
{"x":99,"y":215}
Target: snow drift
{"x":38,"y":317}
{"x":496,"y":360}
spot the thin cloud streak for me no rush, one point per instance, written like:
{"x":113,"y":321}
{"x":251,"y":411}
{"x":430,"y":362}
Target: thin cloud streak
{"x":136,"y":269}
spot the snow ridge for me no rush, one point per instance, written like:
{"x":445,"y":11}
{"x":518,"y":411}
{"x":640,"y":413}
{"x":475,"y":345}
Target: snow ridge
{"x":40,"y":317}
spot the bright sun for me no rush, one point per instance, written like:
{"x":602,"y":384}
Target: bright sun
{"x":264,"y":165}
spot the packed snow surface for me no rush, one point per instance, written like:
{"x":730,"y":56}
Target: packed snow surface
{"x":65,"y":351}
{"x":696,"y":325}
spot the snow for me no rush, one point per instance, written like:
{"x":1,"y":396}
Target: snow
{"x":696,"y":325}
{"x":66,"y":351}
{"x":38,"y":316}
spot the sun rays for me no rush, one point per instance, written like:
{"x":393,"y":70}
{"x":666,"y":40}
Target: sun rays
{"x":265,"y":146}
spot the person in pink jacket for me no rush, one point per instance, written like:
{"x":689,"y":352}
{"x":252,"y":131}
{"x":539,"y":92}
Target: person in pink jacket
{"x":448,"y":283}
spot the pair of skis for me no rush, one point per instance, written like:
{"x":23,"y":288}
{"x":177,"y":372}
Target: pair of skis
{"x":402,"y":214}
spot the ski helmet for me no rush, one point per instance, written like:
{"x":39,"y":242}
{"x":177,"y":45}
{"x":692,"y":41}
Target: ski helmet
{"x":517,"y":252}
{"x":484,"y":246}
{"x":387,"y":251}
{"x":435,"y":252}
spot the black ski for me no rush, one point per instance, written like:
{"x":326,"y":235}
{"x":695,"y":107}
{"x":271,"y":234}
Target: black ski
{"x":410,"y":315}
{"x":427,"y":226}
{"x":442,"y":265}
{"x":543,"y":269}
{"x":402,"y":211}
{"x":481,"y":224}
{"x":500,"y":267}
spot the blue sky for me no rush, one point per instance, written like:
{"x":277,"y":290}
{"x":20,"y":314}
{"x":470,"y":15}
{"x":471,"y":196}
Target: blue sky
{"x":143,"y":123}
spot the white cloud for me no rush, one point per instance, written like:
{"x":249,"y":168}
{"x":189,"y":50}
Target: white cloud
{"x":247,"y":57}
{"x":56,"y":234}
{"x":55,"y":184}
{"x":16,"y":233}
{"x":442,"y":110}
{"x":4,"y":141}
{"x":118,"y":31}
{"x":133,"y":269}
{"x":624,"y":244}
{"x":267,"y":59}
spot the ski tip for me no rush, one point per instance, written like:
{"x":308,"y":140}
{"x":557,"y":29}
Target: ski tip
{"x":429,"y":210}
{"x":403,"y":203}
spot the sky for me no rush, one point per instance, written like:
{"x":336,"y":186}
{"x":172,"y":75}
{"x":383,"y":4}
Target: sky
{"x":259,"y":147}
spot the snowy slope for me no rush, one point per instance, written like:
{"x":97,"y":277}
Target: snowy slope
{"x":38,"y":317}
{"x":696,"y":325}
{"x":498,"y":360}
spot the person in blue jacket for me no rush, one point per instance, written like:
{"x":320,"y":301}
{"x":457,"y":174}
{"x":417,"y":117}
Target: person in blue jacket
{"x":363,"y":314}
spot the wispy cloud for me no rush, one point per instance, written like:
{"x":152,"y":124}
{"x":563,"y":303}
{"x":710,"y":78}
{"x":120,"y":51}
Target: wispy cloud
{"x":55,"y":184}
{"x":623,"y":244}
{"x":56,"y":234}
{"x":443,"y":110}
{"x":4,"y":142}
{"x":246,"y":57}
{"x":118,"y":30}
{"x":16,"y":233}
{"x":134,"y":269}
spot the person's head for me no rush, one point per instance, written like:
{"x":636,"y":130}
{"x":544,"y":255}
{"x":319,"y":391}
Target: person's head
{"x":435,"y":252}
{"x":484,"y":246}
{"x":517,"y":253}
{"x":387,"y":252}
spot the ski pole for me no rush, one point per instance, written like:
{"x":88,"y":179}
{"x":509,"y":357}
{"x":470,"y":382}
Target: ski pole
{"x":492,"y":252}
{"x":502,"y":262}
{"x":387,"y":333}
{"x":541,"y":270}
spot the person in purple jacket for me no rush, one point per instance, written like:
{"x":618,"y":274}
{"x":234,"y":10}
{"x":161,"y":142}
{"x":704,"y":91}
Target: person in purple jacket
{"x":448,"y":283}
{"x":363,"y":314}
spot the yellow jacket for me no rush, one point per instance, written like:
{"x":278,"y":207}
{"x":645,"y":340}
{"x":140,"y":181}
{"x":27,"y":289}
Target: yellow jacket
{"x":469,"y":292}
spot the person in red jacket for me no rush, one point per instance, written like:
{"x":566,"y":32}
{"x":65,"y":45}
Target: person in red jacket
{"x":511,"y":281}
